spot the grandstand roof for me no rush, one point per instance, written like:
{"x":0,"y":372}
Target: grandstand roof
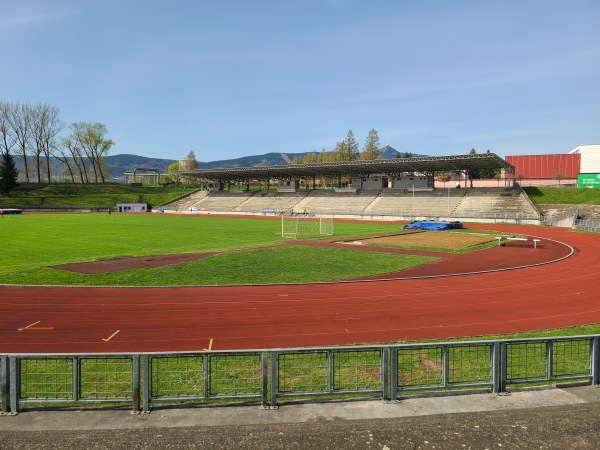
{"x":360,"y":167}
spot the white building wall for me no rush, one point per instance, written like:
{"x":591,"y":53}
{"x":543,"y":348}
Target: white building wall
{"x":590,"y":158}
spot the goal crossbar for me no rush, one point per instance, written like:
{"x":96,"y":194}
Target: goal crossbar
{"x":296,"y":226}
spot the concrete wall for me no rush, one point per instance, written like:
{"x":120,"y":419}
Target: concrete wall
{"x":590,"y":158}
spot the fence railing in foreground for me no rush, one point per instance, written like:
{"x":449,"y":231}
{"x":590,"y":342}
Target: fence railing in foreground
{"x":269,"y":377}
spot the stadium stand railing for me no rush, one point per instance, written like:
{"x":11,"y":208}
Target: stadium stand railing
{"x":490,"y":204}
{"x":269,"y":377}
{"x":587,"y":225}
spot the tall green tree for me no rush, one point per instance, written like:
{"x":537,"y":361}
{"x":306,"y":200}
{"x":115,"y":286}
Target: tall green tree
{"x":371,"y":148}
{"x":8,"y":173}
{"x":346,"y":150}
{"x":351,"y":146}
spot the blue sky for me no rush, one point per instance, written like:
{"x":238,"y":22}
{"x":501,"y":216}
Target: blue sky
{"x":240,"y":77}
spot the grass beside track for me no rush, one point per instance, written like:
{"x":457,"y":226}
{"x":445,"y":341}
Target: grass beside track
{"x":91,"y":196}
{"x":563,"y":196}
{"x":31,"y":243}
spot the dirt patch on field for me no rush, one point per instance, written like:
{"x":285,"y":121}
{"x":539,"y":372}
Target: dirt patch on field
{"x":432,"y":239}
{"x":129,"y":263}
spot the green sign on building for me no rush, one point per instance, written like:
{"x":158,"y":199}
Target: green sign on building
{"x":588,"y":180}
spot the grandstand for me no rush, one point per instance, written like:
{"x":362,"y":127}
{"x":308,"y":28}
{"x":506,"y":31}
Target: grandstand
{"x":403,"y":202}
{"x":492,"y":201}
{"x":506,"y":203}
{"x":185,"y":202}
{"x":271,"y":201}
{"x":328,"y":201}
{"x":221,"y":201}
{"x":418,"y":196}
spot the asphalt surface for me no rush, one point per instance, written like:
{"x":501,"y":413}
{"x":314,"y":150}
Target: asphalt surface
{"x":541,"y":419}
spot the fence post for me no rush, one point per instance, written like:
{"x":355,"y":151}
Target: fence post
{"x":445,"y":366}
{"x":207,"y":377}
{"x":393,"y":374}
{"x":265,"y":380}
{"x":136,"y":384}
{"x":385,"y":368}
{"x":595,"y":360}
{"x":146,"y":389}
{"x":274,"y":369}
{"x":549,"y":357}
{"x":503,"y":367}
{"x":4,"y":384}
{"x":495,"y":365}
{"x":329,"y":371}
{"x":76,"y":379}
{"x":14,"y":384}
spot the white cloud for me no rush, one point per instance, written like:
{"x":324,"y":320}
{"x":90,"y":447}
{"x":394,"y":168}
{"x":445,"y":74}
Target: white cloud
{"x":20,"y":17}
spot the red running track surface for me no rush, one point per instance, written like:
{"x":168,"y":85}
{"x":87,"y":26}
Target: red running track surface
{"x":559,"y":294}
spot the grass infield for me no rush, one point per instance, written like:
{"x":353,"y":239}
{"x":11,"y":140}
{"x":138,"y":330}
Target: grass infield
{"x":31,"y":243}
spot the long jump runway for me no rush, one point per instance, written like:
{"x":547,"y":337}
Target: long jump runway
{"x":561,"y":293}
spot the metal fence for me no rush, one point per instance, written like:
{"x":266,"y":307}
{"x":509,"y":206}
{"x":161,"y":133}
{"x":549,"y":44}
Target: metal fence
{"x":270,"y":377}
{"x":587,"y":225}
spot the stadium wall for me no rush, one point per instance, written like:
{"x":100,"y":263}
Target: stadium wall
{"x":546,"y":166}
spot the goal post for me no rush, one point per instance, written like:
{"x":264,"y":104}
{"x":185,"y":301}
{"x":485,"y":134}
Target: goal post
{"x":302,"y":226}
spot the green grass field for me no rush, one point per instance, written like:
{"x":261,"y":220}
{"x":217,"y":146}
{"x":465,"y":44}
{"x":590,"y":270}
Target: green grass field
{"x":94,"y":196}
{"x":563,"y":196}
{"x":31,"y":243}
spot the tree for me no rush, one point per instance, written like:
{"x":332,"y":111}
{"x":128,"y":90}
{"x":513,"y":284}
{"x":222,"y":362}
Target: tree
{"x":86,"y":146}
{"x":46,"y":124}
{"x":8,"y":173}
{"x":72,"y":150}
{"x":559,"y":176}
{"x":19,"y":121}
{"x":371,"y":148}
{"x":95,"y":146}
{"x":190,"y":162}
{"x":346,"y":150}
{"x":443,"y":178}
{"x":7,"y":139}
{"x":407,"y":155}
{"x":351,"y":146}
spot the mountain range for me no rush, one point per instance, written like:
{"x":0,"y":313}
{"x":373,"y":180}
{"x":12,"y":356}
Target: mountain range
{"x":120,"y":164}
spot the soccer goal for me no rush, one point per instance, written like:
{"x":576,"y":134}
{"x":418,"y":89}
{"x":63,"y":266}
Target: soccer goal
{"x":294,"y":226}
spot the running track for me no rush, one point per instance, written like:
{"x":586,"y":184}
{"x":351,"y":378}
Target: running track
{"x":69,"y":320}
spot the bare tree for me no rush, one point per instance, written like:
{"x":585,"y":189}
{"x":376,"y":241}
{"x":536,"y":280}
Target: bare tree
{"x":95,"y":146}
{"x":46,"y":126}
{"x":20,"y":123}
{"x":72,"y":145}
{"x":7,"y":140}
{"x":64,"y":153}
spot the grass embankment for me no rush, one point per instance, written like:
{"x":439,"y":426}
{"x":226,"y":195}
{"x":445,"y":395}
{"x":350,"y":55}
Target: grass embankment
{"x":40,"y":241}
{"x":96,"y":196}
{"x":563,"y":196}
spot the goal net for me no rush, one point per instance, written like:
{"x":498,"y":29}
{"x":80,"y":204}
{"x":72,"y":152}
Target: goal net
{"x":294,"y":227}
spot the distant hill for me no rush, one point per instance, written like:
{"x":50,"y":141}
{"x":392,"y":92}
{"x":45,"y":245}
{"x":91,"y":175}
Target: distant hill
{"x":389,"y":152}
{"x":268,"y":159}
{"x":119,"y":164}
